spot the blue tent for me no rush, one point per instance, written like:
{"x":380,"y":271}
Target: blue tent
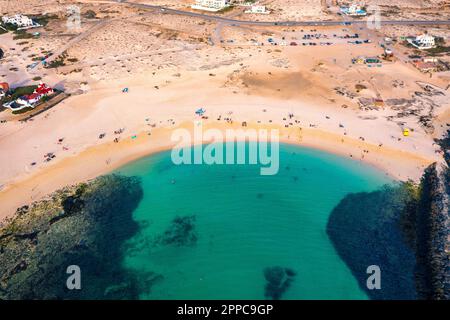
{"x":200,"y":111}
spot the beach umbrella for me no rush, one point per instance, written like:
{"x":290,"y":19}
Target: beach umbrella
{"x":125,"y":90}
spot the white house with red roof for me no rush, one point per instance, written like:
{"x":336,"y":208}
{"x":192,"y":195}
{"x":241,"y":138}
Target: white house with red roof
{"x":30,"y":100}
{"x":43,"y":89}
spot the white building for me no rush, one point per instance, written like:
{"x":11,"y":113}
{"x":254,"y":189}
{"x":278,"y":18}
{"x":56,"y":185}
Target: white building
{"x":258,"y":9}
{"x":19,"y":20}
{"x":210,"y":5}
{"x":423,"y":42}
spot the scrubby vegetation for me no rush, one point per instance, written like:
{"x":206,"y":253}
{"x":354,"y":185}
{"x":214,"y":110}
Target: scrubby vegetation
{"x":18,"y":92}
{"x":22,"y":34}
{"x":58,"y":62}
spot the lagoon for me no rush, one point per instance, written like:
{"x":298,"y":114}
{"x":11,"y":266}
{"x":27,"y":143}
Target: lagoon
{"x":227,"y":232}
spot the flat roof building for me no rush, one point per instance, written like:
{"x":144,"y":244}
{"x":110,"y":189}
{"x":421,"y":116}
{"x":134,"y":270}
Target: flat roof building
{"x":210,"y":5}
{"x":19,"y":20}
{"x":423,"y":41}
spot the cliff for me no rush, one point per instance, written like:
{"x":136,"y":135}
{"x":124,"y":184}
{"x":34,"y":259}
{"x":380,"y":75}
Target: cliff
{"x":432,"y":227}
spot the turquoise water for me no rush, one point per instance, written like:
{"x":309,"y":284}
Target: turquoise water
{"x":240,"y":223}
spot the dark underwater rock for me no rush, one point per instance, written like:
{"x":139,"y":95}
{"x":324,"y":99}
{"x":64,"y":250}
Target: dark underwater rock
{"x":365,"y":228}
{"x":278,"y":280}
{"x":72,"y":204}
{"x":181,"y":232}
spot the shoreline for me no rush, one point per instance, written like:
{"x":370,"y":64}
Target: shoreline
{"x":104,"y":158}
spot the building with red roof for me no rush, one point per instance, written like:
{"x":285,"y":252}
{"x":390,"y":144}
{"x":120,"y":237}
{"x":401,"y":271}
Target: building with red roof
{"x":30,"y":100}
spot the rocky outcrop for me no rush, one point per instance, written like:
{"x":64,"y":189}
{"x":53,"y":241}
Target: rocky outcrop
{"x":85,"y":225}
{"x":432,"y":232}
{"x":433,"y":229}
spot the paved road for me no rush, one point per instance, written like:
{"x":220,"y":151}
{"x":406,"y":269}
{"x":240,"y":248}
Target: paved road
{"x":280,"y":23}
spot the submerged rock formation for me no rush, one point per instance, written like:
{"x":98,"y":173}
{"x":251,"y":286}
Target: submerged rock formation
{"x":278,"y":279}
{"x":84,"y":225}
{"x":181,"y":232}
{"x":365,"y":230}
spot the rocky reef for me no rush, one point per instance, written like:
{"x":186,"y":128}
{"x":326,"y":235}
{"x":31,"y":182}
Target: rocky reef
{"x":365,"y":229}
{"x":84,"y":225}
{"x":278,"y":279}
{"x":181,"y":232}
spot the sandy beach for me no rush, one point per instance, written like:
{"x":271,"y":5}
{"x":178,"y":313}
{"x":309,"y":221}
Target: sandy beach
{"x":147,"y":120}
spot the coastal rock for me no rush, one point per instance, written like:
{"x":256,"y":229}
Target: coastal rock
{"x":278,"y":280}
{"x":432,"y":225}
{"x":84,"y":225}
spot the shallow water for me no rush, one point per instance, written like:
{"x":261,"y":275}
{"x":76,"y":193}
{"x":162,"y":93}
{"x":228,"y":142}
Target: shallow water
{"x":235,"y":223}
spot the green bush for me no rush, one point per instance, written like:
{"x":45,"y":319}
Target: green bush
{"x":21,"y":34}
{"x":24,"y":110}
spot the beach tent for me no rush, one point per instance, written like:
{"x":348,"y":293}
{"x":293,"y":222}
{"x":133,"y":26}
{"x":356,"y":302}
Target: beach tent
{"x":200,"y":111}
{"x":125,"y":90}
{"x":406,"y":132}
